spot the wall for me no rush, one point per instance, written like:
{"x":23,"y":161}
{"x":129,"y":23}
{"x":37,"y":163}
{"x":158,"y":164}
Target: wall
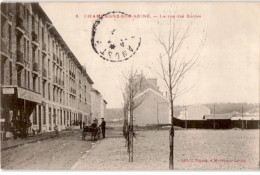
{"x":146,"y":112}
{"x":194,"y":112}
{"x":95,"y":105}
{"x":219,"y":124}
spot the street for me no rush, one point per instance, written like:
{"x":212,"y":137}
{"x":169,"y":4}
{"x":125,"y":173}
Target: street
{"x":193,"y":150}
{"x":58,"y":153}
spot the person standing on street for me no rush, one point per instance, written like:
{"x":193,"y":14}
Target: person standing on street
{"x":80,"y":124}
{"x":103,"y":127}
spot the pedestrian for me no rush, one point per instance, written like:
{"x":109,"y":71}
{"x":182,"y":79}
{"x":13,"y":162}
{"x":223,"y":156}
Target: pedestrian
{"x":94,"y":126}
{"x":80,"y":124}
{"x":84,"y":124}
{"x":103,"y":127}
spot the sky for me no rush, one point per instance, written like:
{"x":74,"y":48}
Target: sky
{"x":226,"y":71}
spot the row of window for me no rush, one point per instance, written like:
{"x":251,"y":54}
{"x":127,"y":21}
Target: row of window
{"x":56,"y":117}
{"x":53,"y":46}
{"x":25,"y":77}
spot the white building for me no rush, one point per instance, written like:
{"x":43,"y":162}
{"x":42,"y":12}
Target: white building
{"x":250,"y":115}
{"x":154,"y":107}
{"x":193,"y":112}
{"x":98,"y":105}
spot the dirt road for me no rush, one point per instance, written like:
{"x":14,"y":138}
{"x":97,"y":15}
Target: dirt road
{"x":59,"y":153}
{"x":193,"y":150}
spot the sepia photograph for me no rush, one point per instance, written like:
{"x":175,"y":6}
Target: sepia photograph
{"x":130,"y":86}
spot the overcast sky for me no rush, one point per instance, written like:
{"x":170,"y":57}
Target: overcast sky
{"x":228,"y":68}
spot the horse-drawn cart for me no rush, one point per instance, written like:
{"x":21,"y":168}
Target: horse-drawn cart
{"x":94,"y":132}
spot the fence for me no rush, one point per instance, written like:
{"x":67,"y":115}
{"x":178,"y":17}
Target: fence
{"x":218,"y":124}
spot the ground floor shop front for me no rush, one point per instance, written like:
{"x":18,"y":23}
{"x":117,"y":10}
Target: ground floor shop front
{"x":22,"y":108}
{"x":50,"y":116}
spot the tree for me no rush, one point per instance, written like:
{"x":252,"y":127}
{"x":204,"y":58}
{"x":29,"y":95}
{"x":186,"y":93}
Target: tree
{"x":125,"y":124}
{"x":175,"y":61}
{"x":133,"y":86}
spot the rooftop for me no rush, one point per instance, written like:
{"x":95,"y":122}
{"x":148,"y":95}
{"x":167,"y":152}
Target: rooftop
{"x":37,"y":8}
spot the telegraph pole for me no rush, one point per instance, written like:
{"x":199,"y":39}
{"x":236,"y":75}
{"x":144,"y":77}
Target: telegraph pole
{"x":214,"y":117}
{"x":242,"y":117}
{"x":157,"y":114}
{"x":185,"y":117}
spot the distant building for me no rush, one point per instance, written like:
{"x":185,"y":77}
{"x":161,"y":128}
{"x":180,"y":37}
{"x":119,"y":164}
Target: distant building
{"x":103,"y":107}
{"x":253,"y":114}
{"x":218,"y":117}
{"x":198,"y":116}
{"x":98,"y":106}
{"x":150,"y":83}
{"x":153,"y":108}
{"x":193,"y":112}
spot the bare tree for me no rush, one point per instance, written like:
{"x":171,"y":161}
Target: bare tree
{"x":133,"y":86}
{"x":125,"y":113}
{"x":175,"y":61}
{"x":125,"y":107}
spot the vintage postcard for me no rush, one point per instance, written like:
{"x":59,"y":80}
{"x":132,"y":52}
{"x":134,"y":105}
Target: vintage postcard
{"x":130,"y":86}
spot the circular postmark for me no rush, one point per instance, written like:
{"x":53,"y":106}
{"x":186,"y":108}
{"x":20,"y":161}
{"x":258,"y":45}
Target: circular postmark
{"x":115,"y":37}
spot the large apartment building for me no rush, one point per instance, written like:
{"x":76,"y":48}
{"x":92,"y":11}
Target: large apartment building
{"x":41,"y":79}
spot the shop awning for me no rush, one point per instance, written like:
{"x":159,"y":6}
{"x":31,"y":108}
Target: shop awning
{"x":29,"y":95}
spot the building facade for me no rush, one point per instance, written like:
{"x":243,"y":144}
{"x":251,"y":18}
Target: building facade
{"x":103,"y":105}
{"x":41,"y":79}
{"x":153,"y":108}
{"x":253,"y":114}
{"x":97,"y":110}
{"x":194,"y":112}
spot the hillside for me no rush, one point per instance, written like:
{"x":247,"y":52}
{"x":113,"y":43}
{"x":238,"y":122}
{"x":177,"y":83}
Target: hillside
{"x":224,"y":108}
{"x":114,"y":114}
{"x":220,"y":108}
